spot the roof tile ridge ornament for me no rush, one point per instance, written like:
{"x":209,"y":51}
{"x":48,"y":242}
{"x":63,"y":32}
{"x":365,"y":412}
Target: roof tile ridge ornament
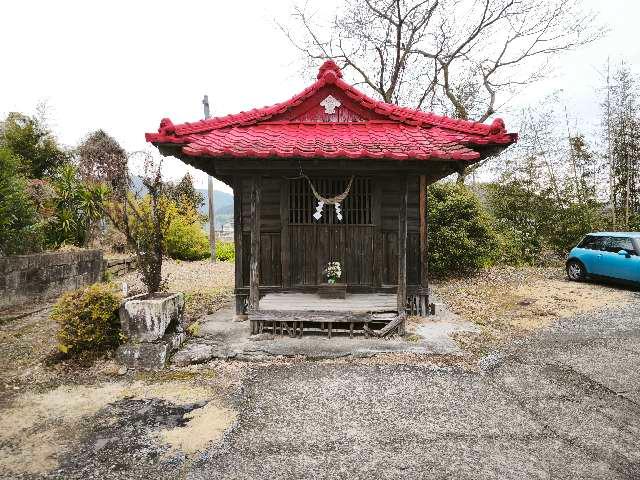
{"x":409,"y":114}
{"x":329,"y":71}
{"x":497,"y":127}
{"x":166,"y":127}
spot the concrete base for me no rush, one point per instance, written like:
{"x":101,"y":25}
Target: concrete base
{"x":147,"y":355}
{"x":222,"y":338}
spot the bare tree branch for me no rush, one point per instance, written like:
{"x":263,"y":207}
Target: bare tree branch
{"x":465,"y":58}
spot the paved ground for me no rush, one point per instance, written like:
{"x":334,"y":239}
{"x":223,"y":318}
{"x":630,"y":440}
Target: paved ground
{"x":562,"y":404}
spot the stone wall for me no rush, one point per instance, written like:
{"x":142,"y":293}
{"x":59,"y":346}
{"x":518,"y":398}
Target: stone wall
{"x":26,"y":278}
{"x":117,"y":267}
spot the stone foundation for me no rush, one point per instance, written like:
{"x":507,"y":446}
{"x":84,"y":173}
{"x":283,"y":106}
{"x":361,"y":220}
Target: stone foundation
{"x":150,"y":355}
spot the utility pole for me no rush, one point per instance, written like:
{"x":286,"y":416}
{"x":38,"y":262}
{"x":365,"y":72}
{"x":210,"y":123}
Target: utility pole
{"x":212,"y":215}
{"x":612,"y":169}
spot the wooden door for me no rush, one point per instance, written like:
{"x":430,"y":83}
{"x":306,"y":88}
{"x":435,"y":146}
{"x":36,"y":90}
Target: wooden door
{"x":314,"y":243}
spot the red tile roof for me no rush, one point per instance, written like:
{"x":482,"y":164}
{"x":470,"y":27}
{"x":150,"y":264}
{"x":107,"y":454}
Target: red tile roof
{"x":377,"y":129}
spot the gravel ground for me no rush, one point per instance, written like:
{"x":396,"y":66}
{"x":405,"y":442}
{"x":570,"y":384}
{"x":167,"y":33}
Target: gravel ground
{"x":553,"y":407}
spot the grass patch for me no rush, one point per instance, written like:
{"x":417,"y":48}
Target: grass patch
{"x":163,"y":376}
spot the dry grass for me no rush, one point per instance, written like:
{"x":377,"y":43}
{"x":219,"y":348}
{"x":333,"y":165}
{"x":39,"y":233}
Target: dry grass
{"x":207,"y":286}
{"x":205,"y":425}
{"x":508,"y":301}
{"x":189,"y":276}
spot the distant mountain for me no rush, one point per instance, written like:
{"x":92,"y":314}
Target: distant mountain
{"x":223,"y":203}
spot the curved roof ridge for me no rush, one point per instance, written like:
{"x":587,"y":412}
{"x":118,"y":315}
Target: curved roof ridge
{"x":329,"y":74}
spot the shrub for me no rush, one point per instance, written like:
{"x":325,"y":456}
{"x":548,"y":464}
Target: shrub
{"x":572,"y":221}
{"x":522,"y":220}
{"x":88,"y":319}
{"x":225,"y":251}
{"x":514,"y":247}
{"x":186,"y":241}
{"x":461,"y":235}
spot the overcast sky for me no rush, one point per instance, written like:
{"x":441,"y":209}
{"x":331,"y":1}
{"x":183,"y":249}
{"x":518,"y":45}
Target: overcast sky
{"x":124,"y":65}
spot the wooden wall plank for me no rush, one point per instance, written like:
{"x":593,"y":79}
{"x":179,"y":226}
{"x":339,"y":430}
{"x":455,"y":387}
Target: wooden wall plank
{"x":390,"y":258}
{"x":402,"y":247}
{"x":266,"y":260}
{"x":413,"y":258}
{"x":285,"y":254}
{"x":237,"y":229}
{"x":238,"y":240}
{"x":378,"y":248}
{"x":246,"y":258}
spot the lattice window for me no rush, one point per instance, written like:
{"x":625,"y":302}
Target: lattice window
{"x":356,"y":209}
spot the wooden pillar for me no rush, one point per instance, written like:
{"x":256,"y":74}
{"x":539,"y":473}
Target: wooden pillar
{"x":237,"y":239}
{"x":402,"y":247}
{"x":285,"y":262}
{"x":254,"y":264}
{"x":422,"y":297}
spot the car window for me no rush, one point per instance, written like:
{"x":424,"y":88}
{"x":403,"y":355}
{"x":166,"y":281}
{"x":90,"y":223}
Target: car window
{"x":593,"y":242}
{"x":615,"y":244}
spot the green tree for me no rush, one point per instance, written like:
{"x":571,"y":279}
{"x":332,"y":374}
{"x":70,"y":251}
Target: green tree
{"x":521,"y":216}
{"x":31,"y":140}
{"x":535,"y":221}
{"x":19,"y":228}
{"x":185,"y":195}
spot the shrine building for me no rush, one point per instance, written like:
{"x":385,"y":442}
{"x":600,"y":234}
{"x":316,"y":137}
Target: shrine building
{"x":331,"y":175}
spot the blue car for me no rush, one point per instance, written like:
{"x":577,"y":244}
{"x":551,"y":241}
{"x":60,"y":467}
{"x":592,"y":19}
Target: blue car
{"x":614,"y":255}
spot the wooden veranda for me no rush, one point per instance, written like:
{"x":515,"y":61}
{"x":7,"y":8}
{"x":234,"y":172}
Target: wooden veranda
{"x":331,"y":141}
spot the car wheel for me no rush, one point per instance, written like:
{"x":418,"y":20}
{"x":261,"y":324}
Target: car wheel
{"x":576,"y":271}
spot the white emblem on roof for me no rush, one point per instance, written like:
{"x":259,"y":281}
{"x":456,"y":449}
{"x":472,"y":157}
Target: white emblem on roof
{"x":330,"y":104}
